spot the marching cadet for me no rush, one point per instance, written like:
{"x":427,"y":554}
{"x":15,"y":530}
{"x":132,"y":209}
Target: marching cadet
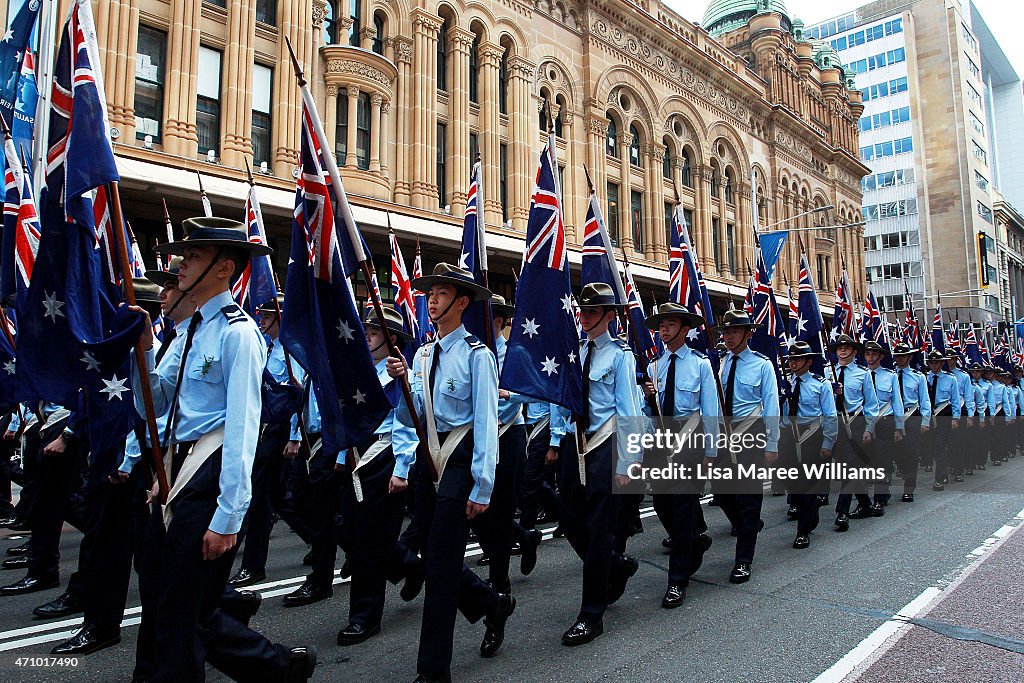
{"x":373,"y":501}
{"x":996,"y":400}
{"x":889,"y":428}
{"x":809,"y":431}
{"x":535,"y":490}
{"x":590,"y":511}
{"x":455,"y":384}
{"x":211,"y":392}
{"x":917,"y":418}
{"x":281,"y":393}
{"x":685,"y":390}
{"x":751,"y":400}
{"x":497,"y":529}
{"x":978,"y":454}
{"x":857,"y":402}
{"x":961,"y":447}
{"x":946,"y":403}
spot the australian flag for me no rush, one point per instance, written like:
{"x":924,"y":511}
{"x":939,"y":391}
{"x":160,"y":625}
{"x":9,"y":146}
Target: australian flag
{"x":971,"y":347}
{"x":542,"y":358}
{"x":256,"y":286}
{"x":322,"y":329}
{"x":645,"y":345}
{"x":809,"y":323}
{"x":424,"y":326}
{"x":842,"y":316}
{"x":686,"y":286}
{"x":598,"y":262}
{"x":21,"y":229}
{"x":473,"y":258}
{"x":769,"y":338}
{"x":938,"y":337}
{"x":13,"y":46}
{"x":8,"y":385}
{"x":404,"y":302}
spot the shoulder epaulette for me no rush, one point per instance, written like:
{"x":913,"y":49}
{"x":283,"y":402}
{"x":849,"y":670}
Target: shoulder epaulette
{"x":759,"y":355}
{"x":622,"y":345}
{"x":234,"y":314}
{"x":820,"y":378}
{"x":699,"y":354}
{"x":475,"y":343}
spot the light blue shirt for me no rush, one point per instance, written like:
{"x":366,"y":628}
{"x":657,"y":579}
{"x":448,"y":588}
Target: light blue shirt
{"x":915,"y":391}
{"x":277,"y":367}
{"x":403,"y":437}
{"x":981,"y":389}
{"x":816,"y":400}
{"x":465,"y":391}
{"x":859,"y":393}
{"x":946,"y":391}
{"x":890,"y":401}
{"x":694,"y":390}
{"x":509,"y":409}
{"x":132,"y":449}
{"x":966,"y":389}
{"x":537,"y":411}
{"x":220,"y":388}
{"x":997,"y":398}
{"x":755,"y":385}
{"x":612,"y":392}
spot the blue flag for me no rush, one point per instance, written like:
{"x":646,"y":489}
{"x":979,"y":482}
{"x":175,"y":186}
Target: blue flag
{"x":322,"y":329}
{"x":771,"y":244}
{"x":13,"y":44}
{"x":8,"y":384}
{"x":542,"y":357}
{"x":476,"y":318}
{"x":23,"y":126}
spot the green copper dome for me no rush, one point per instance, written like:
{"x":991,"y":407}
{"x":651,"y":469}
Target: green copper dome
{"x":723,"y":16}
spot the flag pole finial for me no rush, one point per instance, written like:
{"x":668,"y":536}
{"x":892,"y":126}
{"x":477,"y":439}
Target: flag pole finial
{"x":295,"y":63}
{"x":248,"y":172}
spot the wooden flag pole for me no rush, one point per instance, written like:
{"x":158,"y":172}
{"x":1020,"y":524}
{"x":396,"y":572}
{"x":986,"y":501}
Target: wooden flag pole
{"x":140,"y":353}
{"x":367,"y":269}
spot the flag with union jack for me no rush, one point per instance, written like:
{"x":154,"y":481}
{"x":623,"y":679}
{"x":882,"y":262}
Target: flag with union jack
{"x":542,"y":356}
{"x":842,"y":315}
{"x":477,"y":317}
{"x":323,"y":330}
{"x":598,"y":263}
{"x":687,"y":287}
{"x":405,"y":304}
{"x":971,"y":346}
{"x":256,"y":286}
{"x":645,"y":346}
{"x":424,"y":325}
{"x":21,"y":230}
{"x":770,"y":336}
{"x":938,"y":336}
{"x":809,"y":324}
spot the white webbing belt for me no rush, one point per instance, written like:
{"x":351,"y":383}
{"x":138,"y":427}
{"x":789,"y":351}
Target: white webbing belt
{"x":438,"y":453}
{"x":362,"y":459}
{"x":206,"y":446}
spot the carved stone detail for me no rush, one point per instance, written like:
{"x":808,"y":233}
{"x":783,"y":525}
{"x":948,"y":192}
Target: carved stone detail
{"x":349,"y":66}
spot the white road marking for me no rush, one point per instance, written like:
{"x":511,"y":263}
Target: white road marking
{"x":899,"y":622}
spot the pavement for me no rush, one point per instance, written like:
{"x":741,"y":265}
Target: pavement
{"x":928,"y":592}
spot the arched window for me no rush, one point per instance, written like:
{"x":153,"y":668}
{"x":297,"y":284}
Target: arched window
{"x":442,"y":56}
{"x":687,"y":168}
{"x":378,"y":38}
{"x":560,"y":101}
{"x":341,"y":132}
{"x":634,"y":147}
{"x":542,"y":116}
{"x":728,"y":183}
{"x":474,"y":71}
{"x":611,"y":146}
{"x":357,"y":21}
{"x":666,"y":161}
{"x":503,"y":83}
{"x":330,"y":25}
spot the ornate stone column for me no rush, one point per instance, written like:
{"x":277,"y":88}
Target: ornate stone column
{"x":403,"y":168}
{"x":570,"y":193}
{"x":117,"y":36}
{"x":376,"y":102}
{"x":331,"y":117}
{"x":704,"y":177}
{"x":624,"y":140}
{"x":382,"y":126}
{"x":351,"y":159}
{"x":237,"y":87}
{"x":489,"y":63}
{"x":654,"y":245}
{"x":521,"y":133}
{"x":461,"y":42}
{"x":180,"y":137}
{"x":423,"y":186}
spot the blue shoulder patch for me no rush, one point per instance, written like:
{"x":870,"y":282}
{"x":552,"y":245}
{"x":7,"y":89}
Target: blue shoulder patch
{"x":234,"y":314}
{"x":760,"y":355}
{"x":475,"y":343}
{"x":699,"y":354}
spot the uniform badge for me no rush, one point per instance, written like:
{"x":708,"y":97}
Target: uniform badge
{"x":451,"y":384}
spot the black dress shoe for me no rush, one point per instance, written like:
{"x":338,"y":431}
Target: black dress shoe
{"x":30,"y":584}
{"x":980,"y":467}
{"x":89,"y":639}
{"x":413,"y":582}
{"x":997,"y":463}
{"x":701,"y":544}
{"x":714,"y":502}
{"x":822,"y":500}
{"x":958,"y":477}
{"x":64,"y":605}
{"x":907,"y":498}
{"x":558,"y":533}
{"x":245,"y":606}
{"x":353,"y":634}
{"x":19,"y":562}
{"x":938,"y":487}
{"x":802,"y":541}
{"x":842,"y":522}
{"x":484,"y":561}
{"x":21,"y":524}
{"x":740,"y":573}
{"x":301,"y":662}
{"x":528,"y":561}
{"x":494,"y":636}
{"x":666,"y":543}
{"x":877,"y":510}
{"x":307,"y":594}
{"x":582,"y":632}
{"x":21,"y":549}
{"x":792,"y":513}
{"x":7,"y":520}
{"x":674,"y":596}
{"x":860,"y":512}
{"x":432,"y":679}
{"x":927,"y":468}
{"x":617,"y":585}
{"x":969,"y":473}
{"x":246,"y":577}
